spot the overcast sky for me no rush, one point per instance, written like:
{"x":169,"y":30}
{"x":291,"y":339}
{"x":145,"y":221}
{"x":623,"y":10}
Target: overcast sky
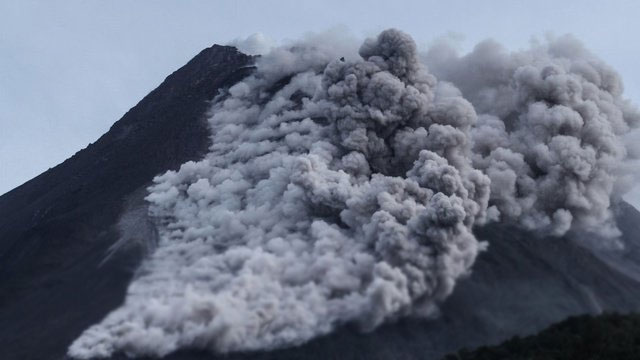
{"x":70,"y":69}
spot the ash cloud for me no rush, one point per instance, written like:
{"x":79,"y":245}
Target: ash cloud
{"x":550,"y":133}
{"x":254,"y":44}
{"x":342,"y":187}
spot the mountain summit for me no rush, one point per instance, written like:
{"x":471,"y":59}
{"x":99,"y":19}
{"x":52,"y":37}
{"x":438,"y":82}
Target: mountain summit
{"x":72,"y":238}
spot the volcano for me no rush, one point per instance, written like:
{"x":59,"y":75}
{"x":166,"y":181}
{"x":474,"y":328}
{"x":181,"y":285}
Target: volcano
{"x":72,"y":239}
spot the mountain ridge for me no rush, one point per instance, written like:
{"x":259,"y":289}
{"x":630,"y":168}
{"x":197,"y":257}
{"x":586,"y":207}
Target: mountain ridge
{"x":57,"y":229}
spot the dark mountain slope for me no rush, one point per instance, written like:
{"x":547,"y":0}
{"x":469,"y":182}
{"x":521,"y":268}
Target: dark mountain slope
{"x":604,"y":337}
{"x":55,"y":229}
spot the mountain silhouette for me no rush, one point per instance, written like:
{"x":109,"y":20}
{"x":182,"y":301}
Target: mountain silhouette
{"x":72,"y":238}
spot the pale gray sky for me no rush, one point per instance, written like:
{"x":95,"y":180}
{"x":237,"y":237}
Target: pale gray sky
{"x":70,"y":69}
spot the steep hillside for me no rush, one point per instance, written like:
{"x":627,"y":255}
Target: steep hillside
{"x":55,"y":229}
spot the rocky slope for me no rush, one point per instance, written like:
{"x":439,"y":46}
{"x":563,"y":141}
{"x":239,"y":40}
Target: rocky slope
{"x":605,"y":337}
{"x":55,"y":230}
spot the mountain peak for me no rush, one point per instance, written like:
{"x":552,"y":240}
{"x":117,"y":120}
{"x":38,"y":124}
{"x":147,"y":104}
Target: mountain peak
{"x":56,"y":228}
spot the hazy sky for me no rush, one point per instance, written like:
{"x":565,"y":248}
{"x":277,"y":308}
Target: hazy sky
{"x":70,"y":69}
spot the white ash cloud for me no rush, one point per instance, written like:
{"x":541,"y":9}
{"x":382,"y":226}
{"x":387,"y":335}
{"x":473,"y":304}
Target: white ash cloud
{"x":342,"y":187}
{"x":336,"y":191}
{"x":254,"y":44}
{"x":550,"y":131}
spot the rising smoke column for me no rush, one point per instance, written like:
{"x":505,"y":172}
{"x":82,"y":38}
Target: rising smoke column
{"x":336,"y":191}
{"x":344,"y":190}
{"x":549,"y":134}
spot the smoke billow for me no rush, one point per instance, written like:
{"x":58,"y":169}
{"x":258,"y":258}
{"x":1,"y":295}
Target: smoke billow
{"x":550,"y":133}
{"x":255,"y":44}
{"x":343,"y":187}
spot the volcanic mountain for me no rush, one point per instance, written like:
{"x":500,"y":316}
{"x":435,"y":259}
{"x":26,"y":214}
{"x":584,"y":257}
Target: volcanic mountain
{"x":72,"y":238}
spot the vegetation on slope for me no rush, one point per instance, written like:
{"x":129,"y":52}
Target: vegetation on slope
{"x":604,"y":337}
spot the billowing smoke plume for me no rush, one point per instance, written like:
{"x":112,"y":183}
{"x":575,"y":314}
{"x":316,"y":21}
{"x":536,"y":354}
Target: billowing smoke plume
{"x":549,"y":136}
{"x":342,"y":188}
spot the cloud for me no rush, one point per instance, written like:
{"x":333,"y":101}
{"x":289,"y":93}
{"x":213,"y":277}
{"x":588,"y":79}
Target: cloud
{"x":551,"y":131}
{"x":254,"y":44}
{"x":342,"y":187}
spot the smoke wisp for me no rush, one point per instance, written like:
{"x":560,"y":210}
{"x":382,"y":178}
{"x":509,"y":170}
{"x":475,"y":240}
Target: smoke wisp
{"x":343,"y":187}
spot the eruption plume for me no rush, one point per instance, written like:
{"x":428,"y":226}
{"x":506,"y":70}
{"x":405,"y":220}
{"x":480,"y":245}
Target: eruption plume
{"x":550,"y":133}
{"x":342,"y":188}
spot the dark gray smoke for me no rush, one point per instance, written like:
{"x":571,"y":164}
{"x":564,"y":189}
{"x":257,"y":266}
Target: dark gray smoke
{"x":343,"y":187}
